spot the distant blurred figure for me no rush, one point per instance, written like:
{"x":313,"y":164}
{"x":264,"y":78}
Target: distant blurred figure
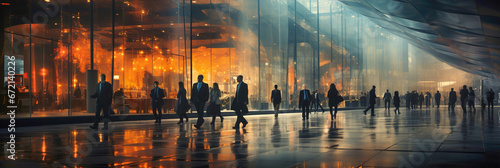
{"x":437,"y":98}
{"x":396,"y":102}
{"x":471,"y":98}
{"x":490,"y":95}
{"x":276,"y":99}
{"x":421,"y":99}
{"x":387,"y":99}
{"x":119,"y":100}
{"x":77,"y":93}
{"x":463,"y":98}
{"x":182,"y":104}
{"x":452,"y":99}
{"x":317,"y":101}
{"x":333,"y":100}
{"x":408,"y":99}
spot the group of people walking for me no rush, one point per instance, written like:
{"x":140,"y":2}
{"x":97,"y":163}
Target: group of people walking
{"x":200,"y":94}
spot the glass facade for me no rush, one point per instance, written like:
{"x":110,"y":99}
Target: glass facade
{"x":270,"y":42}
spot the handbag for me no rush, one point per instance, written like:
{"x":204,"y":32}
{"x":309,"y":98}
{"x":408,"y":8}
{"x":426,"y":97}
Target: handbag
{"x":340,"y":98}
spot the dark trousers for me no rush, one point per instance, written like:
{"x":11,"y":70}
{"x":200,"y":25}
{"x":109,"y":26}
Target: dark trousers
{"x":387,"y":104}
{"x":183,"y":116}
{"x":451,"y":105}
{"x":490,"y":104}
{"x":240,"y":119}
{"x":464,"y":105}
{"x":157,"y":115}
{"x":105,"y":113}
{"x":371,"y":107}
{"x":331,"y":111}
{"x":305,"y":111}
{"x":438,"y":103}
{"x":199,"y":108}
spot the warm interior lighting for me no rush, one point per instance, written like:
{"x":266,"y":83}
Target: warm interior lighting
{"x":116,"y":77}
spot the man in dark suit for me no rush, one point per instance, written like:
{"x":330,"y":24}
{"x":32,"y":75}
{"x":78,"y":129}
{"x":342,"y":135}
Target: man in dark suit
{"x":199,"y":96}
{"x":157,"y":94}
{"x":276,"y":99}
{"x":372,"y":101}
{"x":387,"y":99}
{"x":304,"y":101}
{"x":463,"y":98}
{"x":104,"y":95}
{"x":437,"y":97}
{"x":240,"y":102}
{"x":452,"y":99}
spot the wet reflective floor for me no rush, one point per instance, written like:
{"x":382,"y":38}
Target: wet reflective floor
{"x":416,"y":138}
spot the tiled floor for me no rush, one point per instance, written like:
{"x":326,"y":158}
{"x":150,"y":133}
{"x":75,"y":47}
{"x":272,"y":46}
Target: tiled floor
{"x":416,"y":138}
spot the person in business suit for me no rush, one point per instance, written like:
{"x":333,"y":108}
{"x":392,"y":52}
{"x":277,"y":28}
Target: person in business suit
{"x":199,"y":96}
{"x":215,"y":103}
{"x":182,"y":105}
{"x":304,"y":101}
{"x":490,"y":95}
{"x":157,"y":94}
{"x":104,"y":95}
{"x":240,"y":102}
{"x":397,"y":102}
{"x":372,"y":101}
{"x":408,"y":99}
{"x":276,"y":99}
{"x":333,"y":101}
{"x":387,"y":100}
{"x":463,"y":98}
{"x":421,"y":99}
{"x":452,"y":99}
{"x":437,"y":98}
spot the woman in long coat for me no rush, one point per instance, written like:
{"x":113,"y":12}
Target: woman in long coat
{"x":333,"y":100}
{"x":182,"y":105}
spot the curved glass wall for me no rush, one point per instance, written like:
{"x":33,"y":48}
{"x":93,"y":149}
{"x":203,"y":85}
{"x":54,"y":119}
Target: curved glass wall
{"x":273,"y":42}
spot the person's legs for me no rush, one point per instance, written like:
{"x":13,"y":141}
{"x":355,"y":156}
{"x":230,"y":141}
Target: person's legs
{"x":303,"y":112}
{"x":372,"y":106}
{"x":238,"y":118}
{"x":331,"y":112}
{"x":213,"y":119}
{"x":154,"y":113}
{"x":319,"y":104}
{"x":105,"y":112}
{"x":276,"y":109}
{"x":464,"y":106}
{"x":335,"y":114}
{"x":199,"y":109}
{"x":98,"y":118}
{"x":307,"y":113}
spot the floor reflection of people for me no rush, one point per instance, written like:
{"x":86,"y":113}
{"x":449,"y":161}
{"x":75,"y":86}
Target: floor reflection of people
{"x":214,"y":142}
{"x":333,"y":132}
{"x":240,"y":149}
{"x":276,"y":134}
{"x":182,"y":144}
{"x":99,"y":148}
{"x":157,"y":142}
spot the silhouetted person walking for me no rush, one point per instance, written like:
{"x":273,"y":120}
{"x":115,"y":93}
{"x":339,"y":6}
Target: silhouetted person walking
{"x":490,"y":95}
{"x":104,"y":95}
{"x":421,"y":99}
{"x":471,"y":98}
{"x":387,"y":100}
{"x":437,"y":98}
{"x":397,"y":102}
{"x":276,"y":99}
{"x":157,"y":94}
{"x":334,"y":99}
{"x":372,"y":101}
{"x":182,"y":105}
{"x":304,"y":101}
{"x":199,"y":96}
{"x":240,"y":102}
{"x":408,"y":99}
{"x":215,"y":103}
{"x":463,"y":98}
{"x":452,"y":99}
